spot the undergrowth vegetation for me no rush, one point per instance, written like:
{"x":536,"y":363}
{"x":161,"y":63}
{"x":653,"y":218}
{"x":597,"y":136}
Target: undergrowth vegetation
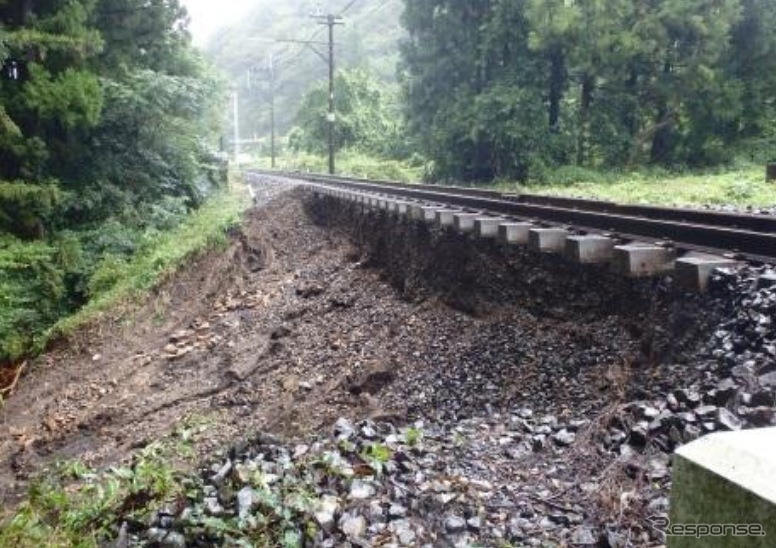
{"x":741,"y":186}
{"x":73,"y":505}
{"x":50,"y":289}
{"x":351,"y":163}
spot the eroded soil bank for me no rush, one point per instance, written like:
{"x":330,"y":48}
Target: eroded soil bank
{"x":549,"y":397}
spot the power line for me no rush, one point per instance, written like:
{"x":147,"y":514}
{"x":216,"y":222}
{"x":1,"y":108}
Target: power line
{"x":346,"y":8}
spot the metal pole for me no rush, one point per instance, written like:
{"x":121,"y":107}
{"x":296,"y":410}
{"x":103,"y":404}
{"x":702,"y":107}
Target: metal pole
{"x":272,"y":106}
{"x":331,"y":20}
{"x":236,"y":127}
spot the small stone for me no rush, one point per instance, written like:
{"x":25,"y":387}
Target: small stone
{"x":397,"y":511}
{"x":304,"y":385}
{"x":525,"y":413}
{"x":538,"y":441}
{"x":344,"y":429}
{"x":220,"y":476}
{"x":402,"y":530}
{"x":360,"y":490}
{"x":691,"y":433}
{"x":213,"y":507}
{"x":648,"y":412}
{"x":446,"y":498}
{"x":658,"y":467}
{"x":706,"y":411}
{"x":300,"y":451}
{"x":768,"y":380}
{"x":325,"y":511}
{"x":638,"y":435}
{"x":474,"y":523}
{"x":560,"y":519}
{"x":766,"y":280}
{"x":166,"y":539}
{"x":761,"y":416}
{"x":368,"y":432}
{"x":246,"y":498}
{"x":672,"y":402}
{"x":352,"y":526}
{"x":658,"y":506}
{"x":728,"y":420}
{"x":454,"y":524}
{"x":762,"y":398}
{"x":726,"y":389}
{"x":564,"y":438}
{"x":583,"y":536}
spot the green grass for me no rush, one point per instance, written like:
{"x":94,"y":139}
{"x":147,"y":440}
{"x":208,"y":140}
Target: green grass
{"x":71,"y":505}
{"x":118,"y":282}
{"x":742,"y":187}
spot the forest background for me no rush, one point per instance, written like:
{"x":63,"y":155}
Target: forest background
{"x":113,"y":127}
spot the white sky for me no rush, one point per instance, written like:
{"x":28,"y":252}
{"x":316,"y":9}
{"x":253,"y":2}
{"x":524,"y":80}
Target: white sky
{"x":207,"y":16}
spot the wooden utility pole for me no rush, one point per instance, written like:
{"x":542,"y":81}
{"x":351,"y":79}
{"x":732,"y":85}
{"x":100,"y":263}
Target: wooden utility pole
{"x":331,"y":21}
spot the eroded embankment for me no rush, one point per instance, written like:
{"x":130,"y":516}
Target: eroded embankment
{"x":550,"y":397}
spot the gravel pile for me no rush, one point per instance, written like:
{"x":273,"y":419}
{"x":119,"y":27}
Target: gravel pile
{"x":485,"y":481}
{"x":512,"y":400}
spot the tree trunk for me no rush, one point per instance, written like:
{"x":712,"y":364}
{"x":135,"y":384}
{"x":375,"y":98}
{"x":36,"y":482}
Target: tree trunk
{"x":661,"y":141}
{"x":585,"y":100}
{"x":557,"y":83}
{"x":25,"y":11}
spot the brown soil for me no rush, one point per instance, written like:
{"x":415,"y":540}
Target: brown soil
{"x":211,"y":343}
{"x":291,"y":328}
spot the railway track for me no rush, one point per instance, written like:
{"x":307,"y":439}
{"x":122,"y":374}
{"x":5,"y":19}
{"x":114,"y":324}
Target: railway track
{"x":698,"y":236}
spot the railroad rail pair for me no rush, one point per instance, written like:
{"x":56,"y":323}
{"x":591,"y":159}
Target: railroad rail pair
{"x":634,"y":240}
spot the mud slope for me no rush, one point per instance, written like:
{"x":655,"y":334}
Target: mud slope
{"x":294,"y":326}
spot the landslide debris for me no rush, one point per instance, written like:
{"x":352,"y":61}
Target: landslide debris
{"x":398,"y":386}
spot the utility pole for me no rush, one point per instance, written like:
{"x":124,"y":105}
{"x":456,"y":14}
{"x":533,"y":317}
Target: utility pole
{"x":272,"y":106}
{"x":331,"y":21}
{"x":236,"y":126}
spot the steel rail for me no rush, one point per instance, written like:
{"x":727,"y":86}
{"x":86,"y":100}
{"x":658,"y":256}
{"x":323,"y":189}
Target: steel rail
{"x":719,"y":233}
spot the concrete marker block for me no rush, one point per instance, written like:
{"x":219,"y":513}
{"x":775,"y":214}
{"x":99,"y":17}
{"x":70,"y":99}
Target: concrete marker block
{"x":726,"y":479}
{"x":589,"y":249}
{"x":426,"y":214}
{"x":694,"y":273}
{"x":487,"y":227}
{"x":464,"y":222}
{"x":444,"y":217}
{"x":547,"y":240}
{"x":514,"y":233}
{"x":643,"y":260}
{"x":402,"y":208}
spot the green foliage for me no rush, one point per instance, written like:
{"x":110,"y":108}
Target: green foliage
{"x":365,"y":117}
{"x":744,"y":186}
{"x":31,"y":291}
{"x":106,"y":126}
{"x":24,"y":208}
{"x":514,"y":89}
{"x":367,"y":41}
{"x":74,"y":506}
{"x":117,"y":279}
{"x":73,"y":98}
{"x":354,"y":164}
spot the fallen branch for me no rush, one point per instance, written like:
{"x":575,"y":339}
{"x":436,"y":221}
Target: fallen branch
{"x":10,"y":388}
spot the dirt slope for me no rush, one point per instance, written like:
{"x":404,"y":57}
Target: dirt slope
{"x":291,"y":328}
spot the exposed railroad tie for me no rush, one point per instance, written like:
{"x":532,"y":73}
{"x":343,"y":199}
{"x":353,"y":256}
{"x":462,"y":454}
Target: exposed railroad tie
{"x":635,"y":240}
